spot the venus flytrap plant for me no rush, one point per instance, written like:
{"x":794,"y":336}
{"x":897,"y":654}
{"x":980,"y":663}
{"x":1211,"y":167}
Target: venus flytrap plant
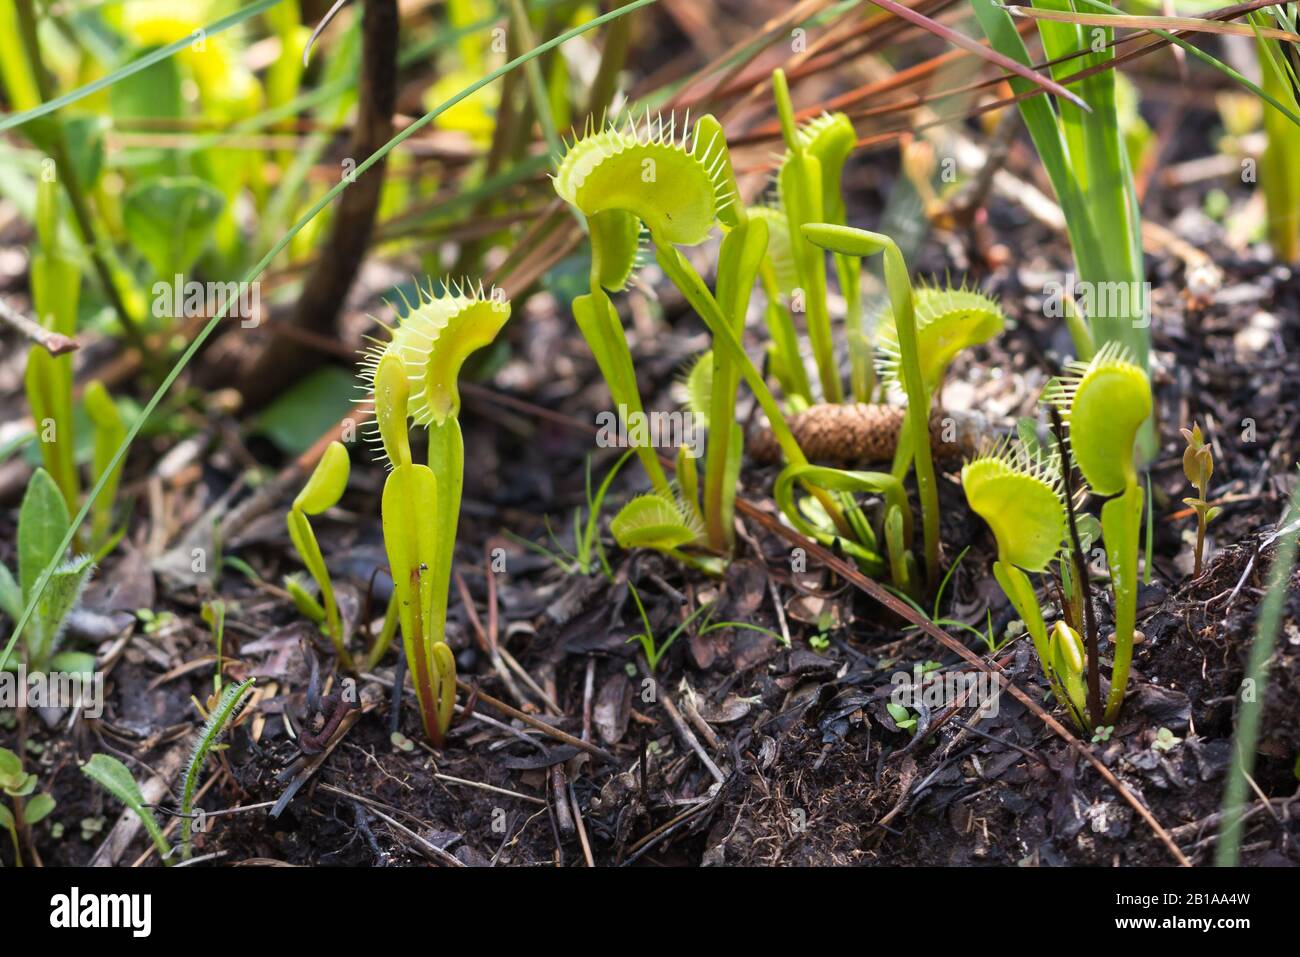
{"x":413,"y":376}
{"x":1017,"y":490}
{"x":1105,"y":404}
{"x":323,"y":490}
{"x":33,"y":112}
{"x":620,"y":178}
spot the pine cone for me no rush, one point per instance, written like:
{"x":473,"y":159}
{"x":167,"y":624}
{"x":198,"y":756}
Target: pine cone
{"x":848,"y":434}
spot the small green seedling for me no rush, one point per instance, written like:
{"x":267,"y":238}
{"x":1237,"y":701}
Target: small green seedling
{"x":42,"y":522}
{"x":220,"y":717}
{"x":588,"y":553}
{"x":655,"y":651}
{"x":214,"y":613}
{"x":1198,"y":466}
{"x":28,"y":808}
{"x":414,"y":376}
{"x":1105,"y":403}
{"x":322,"y":491}
{"x":115,"y":778}
{"x":905,"y":720}
{"x":1166,"y":740}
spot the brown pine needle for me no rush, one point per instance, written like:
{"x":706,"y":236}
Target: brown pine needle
{"x":1126,"y":21}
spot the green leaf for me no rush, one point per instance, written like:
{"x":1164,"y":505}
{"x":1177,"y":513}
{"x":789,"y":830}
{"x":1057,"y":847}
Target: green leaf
{"x":11,"y":595}
{"x":85,"y":143}
{"x":73,"y":662}
{"x":327,"y":482}
{"x":42,"y":523}
{"x":846,"y":240}
{"x":38,"y":808}
{"x":306,"y":409}
{"x":109,"y":431}
{"x":58,"y":599}
{"x":6,"y":818}
{"x":25,"y":786}
{"x":170,"y":219}
{"x":410,"y":520}
{"x":114,"y":777}
{"x":11,"y":769}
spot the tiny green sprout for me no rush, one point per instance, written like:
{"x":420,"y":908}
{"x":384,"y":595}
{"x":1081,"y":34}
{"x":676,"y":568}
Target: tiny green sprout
{"x":413,"y":376}
{"x":1198,"y":466}
{"x":588,"y":552}
{"x":905,"y":720}
{"x":654,"y":651}
{"x":214,"y":613}
{"x":323,"y":490}
{"x":1105,"y":403}
{"x":1166,"y":740}
{"x":1102,"y":733}
{"x":28,"y":808}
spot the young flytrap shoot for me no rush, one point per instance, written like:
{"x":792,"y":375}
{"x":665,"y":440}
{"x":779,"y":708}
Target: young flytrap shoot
{"x":568,"y":434}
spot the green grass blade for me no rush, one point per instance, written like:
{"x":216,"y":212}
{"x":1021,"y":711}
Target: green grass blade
{"x":1252,"y":706}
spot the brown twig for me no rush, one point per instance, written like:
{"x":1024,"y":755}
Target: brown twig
{"x":55,"y":343}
